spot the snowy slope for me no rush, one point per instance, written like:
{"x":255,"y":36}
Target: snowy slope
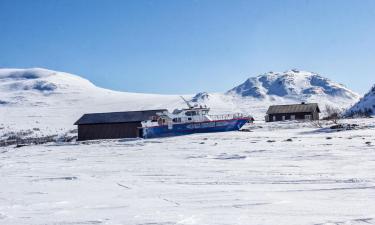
{"x":366,"y":105}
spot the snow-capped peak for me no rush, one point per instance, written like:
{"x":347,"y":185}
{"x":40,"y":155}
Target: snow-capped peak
{"x":292,"y":84}
{"x":201,"y":96}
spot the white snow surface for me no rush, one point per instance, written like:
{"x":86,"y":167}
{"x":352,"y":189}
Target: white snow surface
{"x":259,"y":177}
{"x":366,"y":105}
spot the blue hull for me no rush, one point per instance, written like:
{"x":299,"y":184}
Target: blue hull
{"x":196,"y":127}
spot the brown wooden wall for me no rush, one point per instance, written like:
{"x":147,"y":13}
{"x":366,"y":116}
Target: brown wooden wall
{"x":298,"y":116}
{"x":108,"y":131}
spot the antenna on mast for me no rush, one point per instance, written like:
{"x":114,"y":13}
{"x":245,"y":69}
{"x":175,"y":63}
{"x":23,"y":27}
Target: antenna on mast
{"x":187,"y":103}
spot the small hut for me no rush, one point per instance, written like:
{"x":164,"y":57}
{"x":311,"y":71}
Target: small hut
{"x":301,"y":111}
{"x":113,"y":124}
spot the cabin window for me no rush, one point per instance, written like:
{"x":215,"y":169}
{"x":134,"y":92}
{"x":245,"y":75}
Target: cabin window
{"x":308,"y":117}
{"x":189,"y":118}
{"x":177,"y":120}
{"x":191,"y":113}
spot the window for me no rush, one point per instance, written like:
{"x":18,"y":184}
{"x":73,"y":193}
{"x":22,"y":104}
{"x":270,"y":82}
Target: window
{"x":274,"y":118}
{"x":292,"y":117}
{"x":191,"y":113}
{"x":177,"y":120}
{"x":308,"y":117}
{"x":283,"y":117}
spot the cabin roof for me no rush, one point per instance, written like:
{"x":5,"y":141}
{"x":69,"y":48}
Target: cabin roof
{"x":117,"y":117}
{"x":293,"y":108}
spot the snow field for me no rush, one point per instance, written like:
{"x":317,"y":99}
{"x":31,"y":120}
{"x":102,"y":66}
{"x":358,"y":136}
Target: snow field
{"x":278,"y":174}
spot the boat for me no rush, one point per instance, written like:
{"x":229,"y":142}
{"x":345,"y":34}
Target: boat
{"x":193,"y":119}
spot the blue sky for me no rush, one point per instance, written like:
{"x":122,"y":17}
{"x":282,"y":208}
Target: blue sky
{"x":182,"y":46}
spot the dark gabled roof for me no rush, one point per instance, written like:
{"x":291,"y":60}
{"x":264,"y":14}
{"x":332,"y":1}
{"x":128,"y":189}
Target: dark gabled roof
{"x":117,"y":117}
{"x":295,"y":108}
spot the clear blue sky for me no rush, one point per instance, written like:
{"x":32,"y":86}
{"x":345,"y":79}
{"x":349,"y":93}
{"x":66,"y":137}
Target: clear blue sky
{"x":182,"y":46}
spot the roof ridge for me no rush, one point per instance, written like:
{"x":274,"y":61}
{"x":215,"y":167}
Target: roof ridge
{"x":297,"y":104}
{"x":292,"y":108}
{"x":117,"y":117}
{"x":147,"y":110}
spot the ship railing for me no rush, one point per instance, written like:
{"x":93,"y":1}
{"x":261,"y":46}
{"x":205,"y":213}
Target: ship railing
{"x":228,"y":116}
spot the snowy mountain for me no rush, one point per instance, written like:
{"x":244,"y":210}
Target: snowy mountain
{"x":295,"y":85}
{"x":365,"y":106}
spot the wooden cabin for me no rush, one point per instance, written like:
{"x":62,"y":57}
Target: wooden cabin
{"x":113,"y":125}
{"x":301,"y":111}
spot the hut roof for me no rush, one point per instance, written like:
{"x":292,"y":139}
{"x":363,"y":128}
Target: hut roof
{"x":294,"y":108}
{"x":117,"y":117}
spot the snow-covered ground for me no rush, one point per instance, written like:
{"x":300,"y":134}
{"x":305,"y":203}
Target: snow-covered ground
{"x":280,"y":173}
